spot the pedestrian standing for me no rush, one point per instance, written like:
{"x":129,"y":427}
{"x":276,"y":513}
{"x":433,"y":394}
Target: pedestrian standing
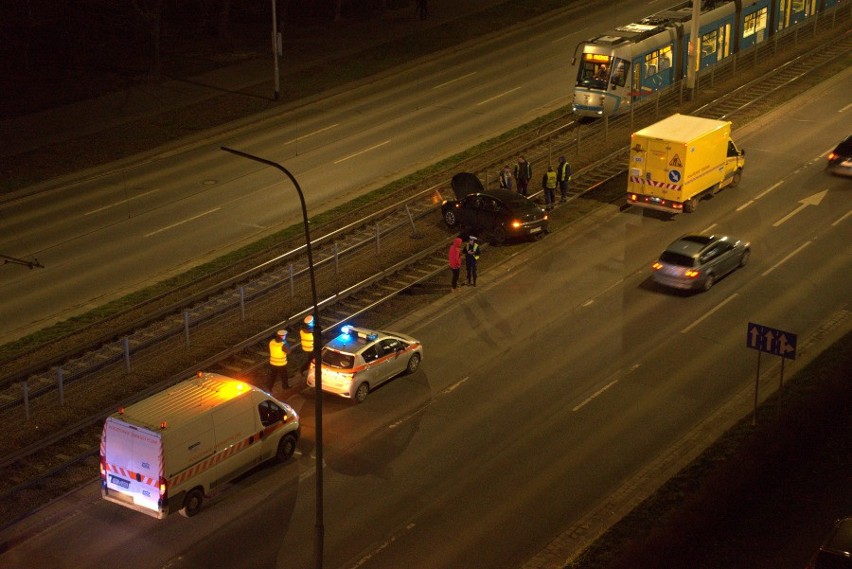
{"x":455,"y":261}
{"x":422,"y":9}
{"x":506,"y":180}
{"x":278,"y":350}
{"x":523,"y":174}
{"x":548,"y":184}
{"x":306,"y":336}
{"x":563,"y":176}
{"x":471,"y":257}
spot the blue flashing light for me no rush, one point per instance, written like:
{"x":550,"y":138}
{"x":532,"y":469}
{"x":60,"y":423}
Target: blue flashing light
{"x":346,"y":329}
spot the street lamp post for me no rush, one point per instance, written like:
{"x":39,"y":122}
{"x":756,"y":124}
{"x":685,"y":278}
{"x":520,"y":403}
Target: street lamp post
{"x":319,"y":529}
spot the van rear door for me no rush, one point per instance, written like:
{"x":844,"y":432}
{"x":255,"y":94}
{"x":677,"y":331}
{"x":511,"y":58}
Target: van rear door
{"x":131,"y":459}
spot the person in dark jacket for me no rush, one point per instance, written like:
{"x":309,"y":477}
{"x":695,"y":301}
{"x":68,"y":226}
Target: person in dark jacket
{"x":523,"y":174}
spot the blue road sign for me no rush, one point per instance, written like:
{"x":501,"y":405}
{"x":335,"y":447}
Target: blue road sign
{"x":772,"y":341}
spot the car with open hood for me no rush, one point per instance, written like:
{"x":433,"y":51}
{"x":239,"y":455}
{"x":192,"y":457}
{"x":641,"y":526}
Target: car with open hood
{"x":497,"y":214}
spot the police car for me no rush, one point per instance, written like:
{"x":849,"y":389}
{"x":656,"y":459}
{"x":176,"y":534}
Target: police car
{"x":359,"y":360}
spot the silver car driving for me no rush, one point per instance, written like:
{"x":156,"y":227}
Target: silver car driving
{"x":698,"y":261}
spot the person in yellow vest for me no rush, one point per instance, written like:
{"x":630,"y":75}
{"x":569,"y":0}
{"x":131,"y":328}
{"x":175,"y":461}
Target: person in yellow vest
{"x":548,"y":184}
{"x":278,"y":350}
{"x":563,"y":176}
{"x":306,"y":335}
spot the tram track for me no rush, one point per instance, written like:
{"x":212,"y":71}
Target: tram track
{"x":64,"y":455}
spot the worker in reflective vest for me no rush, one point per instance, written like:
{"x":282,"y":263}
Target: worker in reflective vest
{"x":306,"y":335}
{"x":548,"y":184}
{"x":278,"y":350}
{"x":471,"y":257}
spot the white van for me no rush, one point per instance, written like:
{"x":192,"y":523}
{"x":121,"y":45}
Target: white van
{"x":167,"y":452}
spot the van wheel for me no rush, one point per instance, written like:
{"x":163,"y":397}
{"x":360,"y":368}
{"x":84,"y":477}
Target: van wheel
{"x":192,"y":503}
{"x":709,"y":281}
{"x":690,"y":205}
{"x":736,"y":179}
{"x":413,"y":363}
{"x":286,"y":448}
{"x":361,"y":392}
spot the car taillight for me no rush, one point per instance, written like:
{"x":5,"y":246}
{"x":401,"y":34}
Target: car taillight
{"x":832,"y":156}
{"x":657,"y":266}
{"x":692,"y":273}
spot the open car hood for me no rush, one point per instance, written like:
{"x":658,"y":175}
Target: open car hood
{"x":465,"y":183}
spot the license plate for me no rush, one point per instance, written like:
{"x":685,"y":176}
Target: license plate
{"x":535,"y":229}
{"x":119,"y":481}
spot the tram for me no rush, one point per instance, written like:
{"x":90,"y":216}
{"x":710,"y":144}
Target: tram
{"x":619,"y":67}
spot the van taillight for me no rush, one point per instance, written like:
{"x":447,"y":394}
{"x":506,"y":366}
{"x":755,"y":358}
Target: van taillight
{"x":103,"y":468}
{"x":163,"y":488}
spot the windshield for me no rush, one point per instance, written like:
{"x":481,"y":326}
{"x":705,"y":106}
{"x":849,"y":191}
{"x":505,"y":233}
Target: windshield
{"x":594,"y":70}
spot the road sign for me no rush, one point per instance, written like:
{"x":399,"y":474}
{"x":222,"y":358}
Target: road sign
{"x":771,"y":340}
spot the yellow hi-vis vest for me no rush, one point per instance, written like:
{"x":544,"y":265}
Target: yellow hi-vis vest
{"x":551,"y":180}
{"x":277,"y":353}
{"x":306,"y":334}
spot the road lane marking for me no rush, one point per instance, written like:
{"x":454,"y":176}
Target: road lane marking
{"x":785,"y":259}
{"x":314,"y":133}
{"x":379,"y":145}
{"x":595,"y":394}
{"x":172,"y":226}
{"x":495,"y":97}
{"x":451,"y":81}
{"x":709,"y":228}
{"x":708,"y":314}
{"x":120,"y":202}
{"x":384,"y":545}
{"x":760,"y":195}
{"x":445,"y":391}
{"x":847,"y":214}
{"x":810,"y":200}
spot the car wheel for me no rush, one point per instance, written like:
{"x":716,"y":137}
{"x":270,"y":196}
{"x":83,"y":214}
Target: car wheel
{"x":709,"y":281}
{"x":690,"y":205}
{"x":413,"y":363}
{"x":744,"y":258}
{"x":361,"y":392}
{"x":286,"y":448}
{"x":192,"y":503}
{"x":450,"y":218}
{"x":499,"y":234}
{"x":736,"y":179}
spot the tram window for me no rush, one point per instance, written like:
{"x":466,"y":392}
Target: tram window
{"x":754,"y":23}
{"x":619,"y":72}
{"x":651,"y":64}
{"x":708,"y":44}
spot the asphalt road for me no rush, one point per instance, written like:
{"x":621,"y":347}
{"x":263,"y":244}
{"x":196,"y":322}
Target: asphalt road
{"x":560,"y":390}
{"x":138,"y":223}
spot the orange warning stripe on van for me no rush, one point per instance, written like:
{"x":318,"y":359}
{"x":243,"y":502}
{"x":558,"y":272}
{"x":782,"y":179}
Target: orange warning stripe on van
{"x":127,"y":473}
{"x":643,"y":181}
{"x":224,"y":454}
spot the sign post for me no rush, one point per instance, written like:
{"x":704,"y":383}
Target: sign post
{"x":772,"y":341}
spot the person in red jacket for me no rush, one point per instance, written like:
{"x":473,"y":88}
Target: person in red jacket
{"x":455,"y":261}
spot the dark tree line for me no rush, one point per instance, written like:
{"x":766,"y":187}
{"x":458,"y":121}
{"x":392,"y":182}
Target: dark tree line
{"x":35,"y":34}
